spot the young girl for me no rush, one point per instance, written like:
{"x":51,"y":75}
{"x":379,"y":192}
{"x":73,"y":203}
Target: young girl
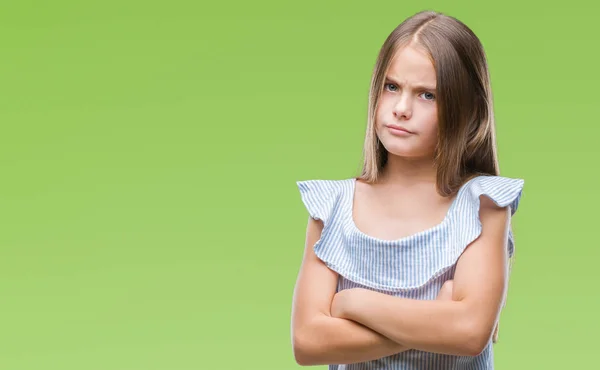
{"x":406,"y":266}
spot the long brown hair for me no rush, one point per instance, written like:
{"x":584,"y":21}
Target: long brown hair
{"x":466,"y":145}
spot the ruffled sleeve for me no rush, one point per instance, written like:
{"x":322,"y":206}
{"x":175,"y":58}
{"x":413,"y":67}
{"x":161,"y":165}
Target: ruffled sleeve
{"x":504,"y":191}
{"x":409,"y":263}
{"x":318,"y":197}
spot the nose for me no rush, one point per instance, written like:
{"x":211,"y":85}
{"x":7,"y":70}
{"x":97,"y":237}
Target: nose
{"x":403,"y":108}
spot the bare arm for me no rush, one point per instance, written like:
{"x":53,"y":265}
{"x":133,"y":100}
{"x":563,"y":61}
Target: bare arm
{"x":318,"y":338}
{"x":461,"y":326}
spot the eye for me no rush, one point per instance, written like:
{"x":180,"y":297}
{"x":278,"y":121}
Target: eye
{"x":388,"y":84}
{"x":428,"y":96}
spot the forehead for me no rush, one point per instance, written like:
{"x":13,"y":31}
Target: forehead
{"x":412,"y":65}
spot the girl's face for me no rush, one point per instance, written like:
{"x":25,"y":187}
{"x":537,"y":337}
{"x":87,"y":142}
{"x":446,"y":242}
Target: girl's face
{"x":408,"y":102}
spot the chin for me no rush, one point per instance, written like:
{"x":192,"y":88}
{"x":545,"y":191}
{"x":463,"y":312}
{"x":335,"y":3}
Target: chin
{"x":405,"y":153}
{"x":404,"y":150}
{"x":398,"y":147}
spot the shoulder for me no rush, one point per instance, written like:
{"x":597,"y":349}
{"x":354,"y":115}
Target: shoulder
{"x":489,"y":202}
{"x":320,"y":196}
{"x":321,"y":185}
{"x":494,"y":194}
{"x":493,"y":216}
{"x":323,"y":188}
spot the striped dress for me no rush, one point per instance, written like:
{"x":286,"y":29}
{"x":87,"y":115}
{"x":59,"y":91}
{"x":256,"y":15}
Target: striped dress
{"x":413,"y":267}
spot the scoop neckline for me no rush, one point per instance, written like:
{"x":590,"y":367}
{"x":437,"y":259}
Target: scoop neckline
{"x":439,"y":225}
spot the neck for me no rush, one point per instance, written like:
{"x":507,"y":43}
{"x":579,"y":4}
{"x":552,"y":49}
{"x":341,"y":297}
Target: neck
{"x":406,"y":171}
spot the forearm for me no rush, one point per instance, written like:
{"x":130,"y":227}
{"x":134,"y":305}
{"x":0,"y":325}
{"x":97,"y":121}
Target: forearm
{"x":331,"y":340}
{"x":433,"y":326}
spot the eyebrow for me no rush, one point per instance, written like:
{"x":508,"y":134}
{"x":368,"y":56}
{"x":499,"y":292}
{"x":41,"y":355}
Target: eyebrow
{"x":418,"y":86}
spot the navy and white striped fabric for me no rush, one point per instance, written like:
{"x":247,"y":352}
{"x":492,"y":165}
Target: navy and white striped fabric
{"x":413,"y":267}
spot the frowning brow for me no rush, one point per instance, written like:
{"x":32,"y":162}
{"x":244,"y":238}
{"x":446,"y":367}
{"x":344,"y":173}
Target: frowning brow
{"x":416,"y":86}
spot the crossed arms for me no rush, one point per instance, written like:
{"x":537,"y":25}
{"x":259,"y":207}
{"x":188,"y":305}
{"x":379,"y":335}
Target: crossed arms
{"x":357,"y":325}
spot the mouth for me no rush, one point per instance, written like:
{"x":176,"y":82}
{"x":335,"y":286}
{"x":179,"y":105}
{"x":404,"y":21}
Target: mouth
{"x":400,"y":131}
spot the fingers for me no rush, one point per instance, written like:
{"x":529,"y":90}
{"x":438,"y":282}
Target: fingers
{"x":495,"y":335}
{"x":445,"y":293}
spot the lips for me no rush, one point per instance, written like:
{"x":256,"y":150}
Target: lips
{"x":396,"y":128}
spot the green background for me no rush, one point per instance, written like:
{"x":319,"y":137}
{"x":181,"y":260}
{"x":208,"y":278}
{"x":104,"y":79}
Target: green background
{"x":149,"y":152}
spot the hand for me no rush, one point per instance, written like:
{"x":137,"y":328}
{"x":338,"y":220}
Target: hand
{"x":342,"y":301}
{"x":495,"y":335}
{"x":445,"y":294}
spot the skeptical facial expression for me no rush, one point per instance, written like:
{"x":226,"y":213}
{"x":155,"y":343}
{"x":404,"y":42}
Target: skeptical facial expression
{"x":406,"y":118}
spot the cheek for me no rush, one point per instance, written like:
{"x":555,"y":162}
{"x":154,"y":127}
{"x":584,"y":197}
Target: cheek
{"x":427,"y":118}
{"x":381,"y":108}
